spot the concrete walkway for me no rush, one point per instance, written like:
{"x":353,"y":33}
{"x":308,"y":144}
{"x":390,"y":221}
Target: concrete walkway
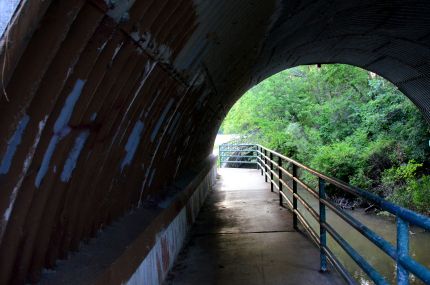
{"x":243,"y":236}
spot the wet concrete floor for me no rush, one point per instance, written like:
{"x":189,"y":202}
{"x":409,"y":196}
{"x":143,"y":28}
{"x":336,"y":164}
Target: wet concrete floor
{"x":243,"y":236}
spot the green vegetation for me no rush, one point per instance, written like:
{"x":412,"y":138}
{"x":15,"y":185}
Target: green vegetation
{"x":343,"y":121}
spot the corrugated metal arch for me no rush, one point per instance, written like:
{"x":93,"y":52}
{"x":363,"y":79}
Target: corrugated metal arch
{"x":110,"y":100}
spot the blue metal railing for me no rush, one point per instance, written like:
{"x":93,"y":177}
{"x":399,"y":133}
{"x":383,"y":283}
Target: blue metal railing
{"x":272,"y":167}
{"x":236,"y":153}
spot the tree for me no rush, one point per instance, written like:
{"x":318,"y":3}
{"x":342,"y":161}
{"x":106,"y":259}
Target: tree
{"x":341,"y":120}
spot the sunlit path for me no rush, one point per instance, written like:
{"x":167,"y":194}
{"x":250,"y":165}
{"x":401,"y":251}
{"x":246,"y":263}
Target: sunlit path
{"x":243,"y":236}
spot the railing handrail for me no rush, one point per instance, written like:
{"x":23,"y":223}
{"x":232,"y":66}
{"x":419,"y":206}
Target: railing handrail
{"x":413,"y":217}
{"x":265,"y":160}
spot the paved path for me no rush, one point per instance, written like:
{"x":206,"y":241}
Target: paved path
{"x":243,"y":236}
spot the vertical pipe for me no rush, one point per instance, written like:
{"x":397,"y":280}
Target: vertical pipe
{"x":294,"y":197}
{"x":271,"y":171}
{"x":402,"y":250}
{"x":323,"y":235}
{"x":280,"y":179}
{"x":265,"y":168}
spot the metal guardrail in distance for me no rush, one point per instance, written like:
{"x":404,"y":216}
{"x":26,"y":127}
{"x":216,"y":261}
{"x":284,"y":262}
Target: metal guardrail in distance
{"x":275,"y":168}
{"x":235,"y":155}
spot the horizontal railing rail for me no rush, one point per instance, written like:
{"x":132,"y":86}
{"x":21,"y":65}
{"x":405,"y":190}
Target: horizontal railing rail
{"x":272,"y":166}
{"x":237,"y":153}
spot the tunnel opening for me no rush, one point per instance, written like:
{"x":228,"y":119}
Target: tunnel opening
{"x":313,"y":114}
{"x":360,"y":110}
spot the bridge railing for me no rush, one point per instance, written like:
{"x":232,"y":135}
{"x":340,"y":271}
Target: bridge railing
{"x":237,"y":153}
{"x":274,"y":168}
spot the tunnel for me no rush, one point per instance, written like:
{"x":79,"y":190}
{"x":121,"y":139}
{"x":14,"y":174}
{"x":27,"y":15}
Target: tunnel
{"x":110,"y":108}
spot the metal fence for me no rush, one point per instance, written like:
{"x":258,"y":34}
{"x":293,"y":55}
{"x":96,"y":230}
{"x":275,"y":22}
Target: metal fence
{"x":236,"y":153}
{"x":274,"y":167}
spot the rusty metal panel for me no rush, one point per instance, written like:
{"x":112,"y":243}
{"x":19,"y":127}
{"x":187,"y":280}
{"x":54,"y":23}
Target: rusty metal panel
{"x":22,"y":193}
{"x":78,"y":192}
{"x":18,"y":35}
{"x":34,"y":63}
{"x":101,"y":144}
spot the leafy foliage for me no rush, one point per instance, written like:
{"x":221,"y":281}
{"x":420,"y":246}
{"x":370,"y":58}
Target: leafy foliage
{"x":343,"y":121}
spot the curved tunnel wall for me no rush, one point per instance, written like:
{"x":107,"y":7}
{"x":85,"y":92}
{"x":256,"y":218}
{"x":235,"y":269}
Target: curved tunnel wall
{"x":107,"y":102}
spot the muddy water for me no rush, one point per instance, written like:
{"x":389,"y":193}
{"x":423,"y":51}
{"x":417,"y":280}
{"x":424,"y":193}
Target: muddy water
{"x":383,"y":226}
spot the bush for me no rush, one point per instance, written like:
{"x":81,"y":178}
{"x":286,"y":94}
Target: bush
{"x":415,"y":195}
{"x":406,"y":189}
{"x":342,"y":121}
{"x":420,"y":192}
{"x":340,"y":160}
{"x":402,"y":175}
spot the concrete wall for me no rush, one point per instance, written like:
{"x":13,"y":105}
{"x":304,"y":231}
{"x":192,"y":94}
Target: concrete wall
{"x":158,"y":262}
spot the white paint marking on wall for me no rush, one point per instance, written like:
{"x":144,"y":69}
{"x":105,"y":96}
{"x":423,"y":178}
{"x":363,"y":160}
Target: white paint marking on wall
{"x":13,"y":144}
{"x":149,"y":67}
{"x":93,"y":117}
{"x":146,"y":40}
{"x":142,"y":187}
{"x":161,"y":119}
{"x":123,"y":131}
{"x":135,"y":36}
{"x":119,"y":9}
{"x":174,"y":123}
{"x":171,"y":129}
{"x":178,"y":164}
{"x":152,"y":103}
{"x":69,"y":71}
{"x":69,"y":105}
{"x":61,"y":129}
{"x":74,"y":154}
{"x":132,"y":143}
{"x":164,"y":52}
{"x":46,"y":160}
{"x":102,"y":47}
{"x":152,"y":177}
{"x":26,"y":165}
{"x":117,"y":49}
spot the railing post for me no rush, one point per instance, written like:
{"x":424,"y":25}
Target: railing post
{"x":280,"y":179}
{"x":265,"y":163}
{"x":220,"y":156}
{"x":323,"y":234}
{"x":271,"y":171}
{"x":294,"y":197}
{"x":402,"y":250}
{"x":261,"y":159}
